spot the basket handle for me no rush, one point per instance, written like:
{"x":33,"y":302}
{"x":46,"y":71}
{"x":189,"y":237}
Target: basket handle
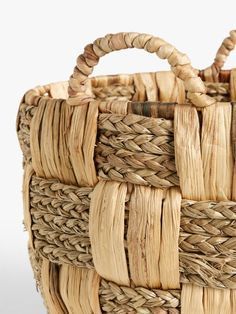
{"x":80,"y":90}
{"x":223,"y":52}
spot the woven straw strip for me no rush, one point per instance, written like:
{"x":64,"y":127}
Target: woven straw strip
{"x":60,"y":215}
{"x":121,"y":299}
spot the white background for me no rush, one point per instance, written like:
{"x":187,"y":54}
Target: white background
{"x":39,"y":42}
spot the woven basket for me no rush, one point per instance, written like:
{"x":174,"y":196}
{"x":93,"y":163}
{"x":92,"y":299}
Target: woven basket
{"x":129,"y":190}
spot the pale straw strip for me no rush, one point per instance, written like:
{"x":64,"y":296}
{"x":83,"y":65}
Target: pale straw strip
{"x":170,"y":88}
{"x":81,"y":142}
{"x":233,"y":126}
{"x":106,"y":226}
{"x":140,"y":90}
{"x":217,"y":151}
{"x":48,"y":141}
{"x":190,"y":171}
{"x":169,"y":251}
{"x":73,"y":280}
{"x":217,"y":301}
{"x":50,"y":288}
{"x":145,"y":209}
{"x":188,"y":152}
{"x":35,"y":138}
{"x":218,"y":171}
{"x":145,"y":87}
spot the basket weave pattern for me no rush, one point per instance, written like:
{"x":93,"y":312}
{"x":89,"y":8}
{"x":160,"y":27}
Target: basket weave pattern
{"x":129,"y":190}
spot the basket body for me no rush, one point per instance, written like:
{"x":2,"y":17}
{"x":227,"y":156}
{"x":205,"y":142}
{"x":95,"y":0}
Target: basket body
{"x":129,"y":200}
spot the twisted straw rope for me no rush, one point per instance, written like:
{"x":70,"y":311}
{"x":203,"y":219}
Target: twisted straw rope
{"x":223,"y":52}
{"x":60,"y":215}
{"x":79,"y":85}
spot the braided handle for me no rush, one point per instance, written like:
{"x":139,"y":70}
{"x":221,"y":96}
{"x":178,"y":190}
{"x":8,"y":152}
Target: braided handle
{"x":223,"y":52}
{"x":80,"y":89}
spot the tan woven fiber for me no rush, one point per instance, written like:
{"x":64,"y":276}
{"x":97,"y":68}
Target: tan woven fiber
{"x":129,"y":185}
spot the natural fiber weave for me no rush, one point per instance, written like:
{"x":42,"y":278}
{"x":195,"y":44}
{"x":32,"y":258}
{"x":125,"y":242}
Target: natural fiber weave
{"x":129,"y":185}
{"x":60,"y":225}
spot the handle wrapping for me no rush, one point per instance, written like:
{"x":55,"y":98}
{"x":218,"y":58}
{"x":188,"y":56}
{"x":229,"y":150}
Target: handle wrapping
{"x":223,"y":52}
{"x":79,"y":85}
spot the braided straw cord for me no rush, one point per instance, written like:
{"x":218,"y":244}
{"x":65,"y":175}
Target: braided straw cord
{"x":136,"y":149}
{"x":60,"y":216}
{"x":60,"y":224}
{"x":122,"y":299}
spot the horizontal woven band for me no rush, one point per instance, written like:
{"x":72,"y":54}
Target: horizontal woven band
{"x":118,"y":299}
{"x":130,"y":148}
{"x":60,"y":224}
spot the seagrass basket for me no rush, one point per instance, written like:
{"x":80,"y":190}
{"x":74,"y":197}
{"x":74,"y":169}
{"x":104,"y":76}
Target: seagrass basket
{"x":129,"y":185}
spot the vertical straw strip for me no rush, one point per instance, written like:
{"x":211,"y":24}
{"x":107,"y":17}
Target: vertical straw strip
{"x":233,"y":126}
{"x":50,"y":288}
{"x":188,"y":152}
{"x":170,"y":88}
{"x":217,"y":151}
{"x":74,"y":280}
{"x":218,"y":169}
{"x":233,"y":136}
{"x":81,"y":143}
{"x":169,"y":252}
{"x":189,"y":167}
{"x":106,"y":230}
{"x":144,"y":236}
